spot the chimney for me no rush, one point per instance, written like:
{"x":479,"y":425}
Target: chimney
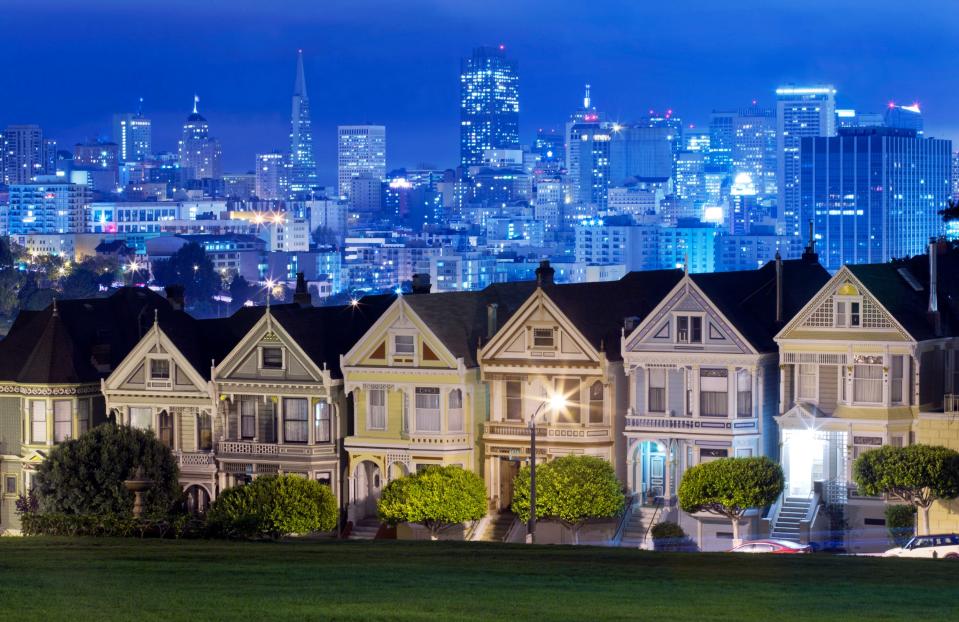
{"x":421,"y":283}
{"x":175,"y":296}
{"x":810,"y":254}
{"x":544,"y":274}
{"x":779,"y":288}
{"x":301,"y":295}
{"x":491,"y":320}
{"x":934,"y":315}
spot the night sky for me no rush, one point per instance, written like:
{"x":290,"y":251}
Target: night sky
{"x":68,"y":65}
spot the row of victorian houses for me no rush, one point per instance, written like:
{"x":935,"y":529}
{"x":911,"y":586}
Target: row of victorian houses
{"x":661,"y":370}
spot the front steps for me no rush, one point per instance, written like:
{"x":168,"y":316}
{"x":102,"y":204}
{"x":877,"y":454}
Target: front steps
{"x":791,"y":514}
{"x":498,"y":527}
{"x":365,"y":529}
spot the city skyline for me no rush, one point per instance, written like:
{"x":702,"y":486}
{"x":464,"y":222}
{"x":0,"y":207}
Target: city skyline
{"x":247,"y":85}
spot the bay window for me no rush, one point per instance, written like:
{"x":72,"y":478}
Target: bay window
{"x":596,"y":402}
{"x":897,"y":373}
{"x":141,"y":417}
{"x":744,"y":393}
{"x":247,"y":418}
{"x":867,"y":380}
{"x":514,"y":400}
{"x":376,"y":411}
{"x":427,"y":409}
{"x":295,"y":420}
{"x":713,"y":392}
{"x":807,"y":382}
{"x":322,"y":423}
{"x":165,"y":428}
{"x":83,"y":417}
{"x":62,"y":421}
{"x":204,"y":432}
{"x":38,"y":422}
{"x":569,"y":389}
{"x":455,"y":414}
{"x":657,"y":391}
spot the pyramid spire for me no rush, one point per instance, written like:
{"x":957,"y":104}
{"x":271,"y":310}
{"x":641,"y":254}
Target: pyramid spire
{"x":299,"y":88}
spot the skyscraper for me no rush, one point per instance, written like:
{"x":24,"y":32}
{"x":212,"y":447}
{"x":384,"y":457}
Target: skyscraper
{"x":199,"y":153}
{"x":361,"y":152}
{"x":873,"y":193}
{"x":24,"y":154}
{"x":271,"y":176}
{"x":134,"y":135}
{"x":489,"y":104}
{"x":904,"y":117}
{"x":800,"y":112}
{"x":302,"y":162}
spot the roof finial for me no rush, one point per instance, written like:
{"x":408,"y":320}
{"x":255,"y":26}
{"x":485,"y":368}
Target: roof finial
{"x":586,"y":98}
{"x":156,"y":316}
{"x":196,"y":100}
{"x":55,"y":312}
{"x":685,"y":263}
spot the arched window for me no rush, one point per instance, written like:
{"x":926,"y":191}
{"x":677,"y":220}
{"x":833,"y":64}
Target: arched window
{"x":455,"y":411}
{"x":596,"y":402}
{"x":165,"y":428}
{"x":322,"y":423}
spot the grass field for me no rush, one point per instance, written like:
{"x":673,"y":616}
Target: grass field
{"x":53,"y":579}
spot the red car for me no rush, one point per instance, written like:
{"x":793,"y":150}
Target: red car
{"x":771,"y":546}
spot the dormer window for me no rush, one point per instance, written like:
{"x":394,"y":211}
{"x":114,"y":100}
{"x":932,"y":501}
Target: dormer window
{"x":271,"y":358}
{"x":848,"y":312}
{"x":689,"y":329}
{"x":543,"y":338}
{"x":404,"y":345}
{"x":159,"y":369}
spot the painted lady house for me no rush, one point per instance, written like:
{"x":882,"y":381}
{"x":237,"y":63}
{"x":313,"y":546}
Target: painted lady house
{"x":703,"y":381}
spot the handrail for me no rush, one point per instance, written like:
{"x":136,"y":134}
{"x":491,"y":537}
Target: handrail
{"x":627,"y":513}
{"x":509,"y":533}
{"x":658,"y":505}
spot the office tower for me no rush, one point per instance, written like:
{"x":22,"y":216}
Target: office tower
{"x":47,"y":204}
{"x":904,"y":117}
{"x":199,"y":153}
{"x":240,"y":186}
{"x":873,"y":194}
{"x":24,"y":153}
{"x":360,"y":152}
{"x":800,"y":112}
{"x":549,"y":149}
{"x":847,"y":117}
{"x":754,"y":148}
{"x":588,"y":161}
{"x":489,"y":104}
{"x":722,"y":134}
{"x":271,"y":176}
{"x":640,"y":151}
{"x":955,"y":176}
{"x":134,"y":135}
{"x":302,"y":162}
{"x":99,"y":161}
{"x":688,"y":179}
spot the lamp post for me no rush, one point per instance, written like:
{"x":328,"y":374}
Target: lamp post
{"x":555,"y":402}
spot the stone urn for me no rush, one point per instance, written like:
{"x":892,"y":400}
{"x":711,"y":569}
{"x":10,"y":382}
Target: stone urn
{"x":138,"y":484}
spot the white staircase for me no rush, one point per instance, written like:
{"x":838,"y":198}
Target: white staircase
{"x":787,"y":526}
{"x":365,"y":529}
{"x":638,"y":523}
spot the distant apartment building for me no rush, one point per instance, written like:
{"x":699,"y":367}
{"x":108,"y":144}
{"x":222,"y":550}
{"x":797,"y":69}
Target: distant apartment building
{"x":361,"y":153}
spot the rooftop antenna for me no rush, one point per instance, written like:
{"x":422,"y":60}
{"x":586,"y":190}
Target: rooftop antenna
{"x":140,"y":108}
{"x":196,"y":100}
{"x":156,"y":317}
{"x":586,"y":99}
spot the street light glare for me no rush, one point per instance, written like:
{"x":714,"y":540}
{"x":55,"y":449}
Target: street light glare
{"x":557,"y":402}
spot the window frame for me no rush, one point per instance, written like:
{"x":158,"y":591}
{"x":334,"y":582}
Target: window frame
{"x":431,"y":393}
{"x":593,"y":403}
{"x":34,"y":422}
{"x":370,"y":406}
{"x":650,"y":387}
{"x":201,"y":429}
{"x":694,"y":324}
{"x":395,"y":352}
{"x":844,"y":318}
{"x":303,"y":422}
{"x":322,"y":412}
{"x":243,"y":417}
{"x":162,"y":429}
{"x":262,"y":358}
{"x":458,"y":410}
{"x":57,"y":436}
{"x":533,"y":345}
{"x":169,"y":369}
{"x":517,"y":400}
{"x":573,"y":410}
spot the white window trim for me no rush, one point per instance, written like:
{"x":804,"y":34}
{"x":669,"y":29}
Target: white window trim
{"x":402,"y":357}
{"x":369,"y":409}
{"x":847,"y":300}
{"x":702,"y":327}
{"x":158,"y":383}
{"x":259,"y":358}
{"x":796,"y":383}
{"x":531,"y":338}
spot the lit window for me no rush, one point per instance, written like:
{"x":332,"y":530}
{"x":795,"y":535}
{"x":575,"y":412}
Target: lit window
{"x":321,"y":423}
{"x":141,"y":417}
{"x":295,"y":420}
{"x":272,"y":358}
{"x":159,"y":369}
{"x":38,"y":422}
{"x":62,"y":421}
{"x":376,"y":414}
{"x":404,"y":345}
{"x":543,"y":338}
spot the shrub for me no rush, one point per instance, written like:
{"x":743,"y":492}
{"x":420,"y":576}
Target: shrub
{"x":85,"y":476}
{"x":273,"y":506}
{"x":437,"y":498}
{"x":669,"y":536}
{"x":901,"y":523}
{"x":112,"y":525}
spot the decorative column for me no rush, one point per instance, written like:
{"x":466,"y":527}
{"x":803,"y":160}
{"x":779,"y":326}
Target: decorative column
{"x":732,"y":389}
{"x":278,"y":415}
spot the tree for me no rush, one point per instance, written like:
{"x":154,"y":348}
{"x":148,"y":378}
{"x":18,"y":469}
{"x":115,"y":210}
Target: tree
{"x":191,"y":268}
{"x":241,"y":290}
{"x":274,"y":506}
{"x":917,"y":474}
{"x":901,"y":523}
{"x":85,"y":475}
{"x":728,"y":487}
{"x":437,"y":498}
{"x":570,"y":490}
{"x":81,"y":283}
{"x":951,"y":212}
{"x":324,"y":236}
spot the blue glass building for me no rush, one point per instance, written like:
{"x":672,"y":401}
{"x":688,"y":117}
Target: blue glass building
{"x":489,"y":104}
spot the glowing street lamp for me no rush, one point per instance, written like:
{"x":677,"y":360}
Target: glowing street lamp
{"x":556,"y":403}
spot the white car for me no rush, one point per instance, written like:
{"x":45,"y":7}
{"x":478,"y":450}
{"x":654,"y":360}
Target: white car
{"x":945,"y":546}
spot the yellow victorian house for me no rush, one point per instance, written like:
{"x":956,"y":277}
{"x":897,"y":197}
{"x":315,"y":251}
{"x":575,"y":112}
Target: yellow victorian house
{"x":869,"y":353}
{"x":416,"y":388}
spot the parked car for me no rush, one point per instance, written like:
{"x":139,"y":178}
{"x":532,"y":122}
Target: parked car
{"x":933,"y":546}
{"x":778,"y":547}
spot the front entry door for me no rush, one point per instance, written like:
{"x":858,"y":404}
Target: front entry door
{"x":657,"y":471}
{"x":507,"y":471}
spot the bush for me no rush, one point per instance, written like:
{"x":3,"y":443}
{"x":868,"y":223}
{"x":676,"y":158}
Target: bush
{"x":273,"y":506}
{"x":669,"y":536}
{"x":85,"y":476}
{"x":110,"y":525}
{"x":437,"y":498}
{"x":901,"y":523}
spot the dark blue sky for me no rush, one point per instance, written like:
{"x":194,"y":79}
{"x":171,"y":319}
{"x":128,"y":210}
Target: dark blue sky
{"x":70,"y":64}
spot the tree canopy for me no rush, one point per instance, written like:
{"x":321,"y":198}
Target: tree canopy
{"x":191,"y":268}
{"x":570,"y":490}
{"x":730,"y":486}
{"x":437,"y":498}
{"x":85,"y":475}
{"x":916,"y":474}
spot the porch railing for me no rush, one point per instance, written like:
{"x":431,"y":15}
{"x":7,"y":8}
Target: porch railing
{"x":197,"y":459}
{"x":271,"y":449}
{"x":950,"y":403}
{"x":519,"y":429}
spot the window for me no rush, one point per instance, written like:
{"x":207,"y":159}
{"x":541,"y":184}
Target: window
{"x":848,"y":313}
{"x":295,"y":420}
{"x":322,"y":425}
{"x":404,"y":345}
{"x":204,"y":428}
{"x":165,"y":428}
{"x":569,"y":389}
{"x":807,"y":382}
{"x":141,"y":418}
{"x":895,"y":382}
{"x":455,"y":414}
{"x":689,"y":329}
{"x":247,"y":418}
{"x":596,"y":402}
{"x":657,"y":390}
{"x":427,"y":409}
{"x":272,"y":358}
{"x":744,"y":393}
{"x":867,"y":380}
{"x":514,"y":400}
{"x":83,"y":417}
{"x":38,"y":422}
{"x":543,"y":338}
{"x":713,"y":392}
{"x":325,"y":478}
{"x":62,"y":421}
{"x":10,"y":484}
{"x":159,"y":369}
{"x":376,"y":414}
{"x":266,"y":422}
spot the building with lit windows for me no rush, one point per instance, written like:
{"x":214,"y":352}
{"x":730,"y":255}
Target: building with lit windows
{"x":874,"y":194}
{"x":199,"y":153}
{"x":904,"y":117}
{"x":489,"y":104}
{"x":588,"y":158}
{"x":272,"y":181}
{"x":134,"y":135}
{"x":49,"y":204}
{"x":361,"y":152}
{"x":24,"y":154}
{"x":800,"y":112}
{"x":302,"y":162}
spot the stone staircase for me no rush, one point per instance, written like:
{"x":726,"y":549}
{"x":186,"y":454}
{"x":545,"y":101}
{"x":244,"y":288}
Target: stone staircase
{"x":498,"y":526}
{"x":790,"y":516}
{"x":634,"y":533}
{"x":365,"y":529}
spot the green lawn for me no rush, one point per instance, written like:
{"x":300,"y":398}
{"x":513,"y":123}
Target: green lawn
{"x":56,"y":579}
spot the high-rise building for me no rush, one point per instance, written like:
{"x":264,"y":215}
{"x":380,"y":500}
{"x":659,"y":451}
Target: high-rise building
{"x":134,"y":135}
{"x":489,"y":104}
{"x":47,"y":204}
{"x":549,"y":150}
{"x":873,"y":194}
{"x":199,"y":153}
{"x":361,"y":152}
{"x":754,"y":147}
{"x":904,"y":117}
{"x":643,"y":151}
{"x":24,"y":154}
{"x":302,"y":162}
{"x":271,"y":176}
{"x":588,"y":161}
{"x":800,"y":112}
